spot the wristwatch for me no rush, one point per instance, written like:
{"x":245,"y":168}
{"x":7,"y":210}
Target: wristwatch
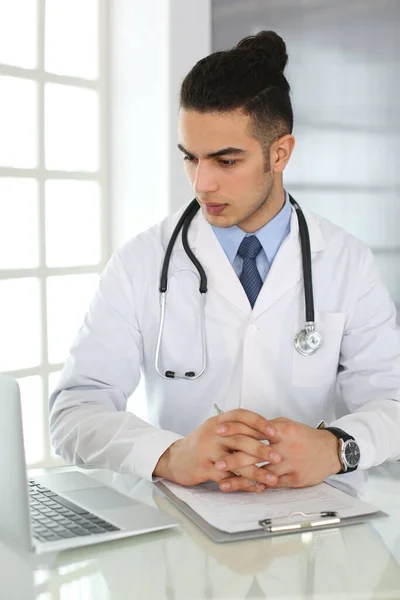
{"x":349,"y":450}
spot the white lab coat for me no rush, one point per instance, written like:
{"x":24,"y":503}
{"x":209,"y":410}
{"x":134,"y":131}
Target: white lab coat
{"x":252,"y":362}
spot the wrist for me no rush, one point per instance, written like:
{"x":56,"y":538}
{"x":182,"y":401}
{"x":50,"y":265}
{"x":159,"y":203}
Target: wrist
{"x":163,"y":466}
{"x":334,"y":453}
{"x":349,"y":450}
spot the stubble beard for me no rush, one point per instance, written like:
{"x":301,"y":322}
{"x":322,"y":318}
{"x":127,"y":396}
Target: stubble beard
{"x":262,"y":203}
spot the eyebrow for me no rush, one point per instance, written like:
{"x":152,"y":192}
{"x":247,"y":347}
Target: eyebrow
{"x":229,"y":150}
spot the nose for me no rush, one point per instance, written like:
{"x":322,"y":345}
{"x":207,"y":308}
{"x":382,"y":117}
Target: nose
{"x":205,"y":180}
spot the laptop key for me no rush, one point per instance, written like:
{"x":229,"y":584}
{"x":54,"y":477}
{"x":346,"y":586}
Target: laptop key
{"x":78,"y":531}
{"x":69,"y":505}
{"x":62,"y":511}
{"x":67,"y":534}
{"x":97,"y":521}
{"x":66,"y":522}
{"x":95,"y":529}
{"x":59,"y":530}
{"x":51,"y":537}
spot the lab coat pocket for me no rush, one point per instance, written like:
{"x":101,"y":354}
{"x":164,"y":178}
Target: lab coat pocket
{"x":320,"y":369}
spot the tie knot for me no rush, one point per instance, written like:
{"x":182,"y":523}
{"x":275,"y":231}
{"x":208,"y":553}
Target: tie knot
{"x":250,"y":247}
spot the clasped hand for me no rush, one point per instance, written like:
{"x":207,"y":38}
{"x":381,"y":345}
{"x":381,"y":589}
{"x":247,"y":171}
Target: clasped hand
{"x":227,"y":448}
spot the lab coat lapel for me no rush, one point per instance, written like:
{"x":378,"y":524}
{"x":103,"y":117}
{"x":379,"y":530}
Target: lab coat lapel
{"x":220,"y":273}
{"x":287,"y":270}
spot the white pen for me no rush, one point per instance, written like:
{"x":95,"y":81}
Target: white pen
{"x":218,"y":411}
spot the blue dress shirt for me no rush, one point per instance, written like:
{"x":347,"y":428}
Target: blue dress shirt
{"x":270,"y":236}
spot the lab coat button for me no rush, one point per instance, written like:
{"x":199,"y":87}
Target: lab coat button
{"x":253,"y":328}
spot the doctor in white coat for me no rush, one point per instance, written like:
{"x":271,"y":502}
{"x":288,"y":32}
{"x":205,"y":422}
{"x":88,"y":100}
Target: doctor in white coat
{"x":235,"y":133}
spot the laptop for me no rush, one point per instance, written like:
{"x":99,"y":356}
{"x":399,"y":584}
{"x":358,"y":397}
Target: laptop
{"x":59,"y":511}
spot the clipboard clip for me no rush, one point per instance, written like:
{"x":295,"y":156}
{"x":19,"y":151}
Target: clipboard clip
{"x":306,"y":521}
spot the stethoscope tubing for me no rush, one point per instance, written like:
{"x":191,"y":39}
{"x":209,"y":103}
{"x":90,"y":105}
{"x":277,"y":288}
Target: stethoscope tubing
{"x":302,"y":343}
{"x":306,"y":260}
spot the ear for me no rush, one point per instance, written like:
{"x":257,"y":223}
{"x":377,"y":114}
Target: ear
{"x":280,"y":152}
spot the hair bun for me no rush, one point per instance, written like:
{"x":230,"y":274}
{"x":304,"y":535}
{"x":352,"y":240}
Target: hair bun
{"x":269,"y":43}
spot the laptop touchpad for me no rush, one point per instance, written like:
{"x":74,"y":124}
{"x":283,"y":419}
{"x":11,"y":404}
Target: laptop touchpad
{"x":100,"y":498}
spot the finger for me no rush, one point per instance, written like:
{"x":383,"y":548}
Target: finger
{"x":248,"y":445}
{"x":236,"y":484}
{"x":249,"y":418}
{"x":258,"y":474}
{"x":218,"y":476}
{"x":245,"y":484}
{"x":237,"y":460}
{"x":283,"y":468}
{"x":234,"y":428}
{"x":288,"y":481}
{"x":249,"y":485}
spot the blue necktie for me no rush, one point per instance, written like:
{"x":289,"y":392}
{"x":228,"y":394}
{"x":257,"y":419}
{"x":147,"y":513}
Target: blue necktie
{"x":250,"y":277}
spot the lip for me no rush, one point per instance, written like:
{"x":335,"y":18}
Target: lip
{"x":214,"y":209}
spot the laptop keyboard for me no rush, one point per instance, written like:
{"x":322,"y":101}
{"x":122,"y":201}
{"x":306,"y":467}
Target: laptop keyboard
{"x":56,"y":518}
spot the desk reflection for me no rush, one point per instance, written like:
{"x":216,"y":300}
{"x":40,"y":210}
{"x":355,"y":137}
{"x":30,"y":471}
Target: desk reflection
{"x":358,"y":561}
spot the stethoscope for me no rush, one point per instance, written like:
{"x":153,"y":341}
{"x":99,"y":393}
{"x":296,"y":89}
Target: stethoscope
{"x":306,"y":342}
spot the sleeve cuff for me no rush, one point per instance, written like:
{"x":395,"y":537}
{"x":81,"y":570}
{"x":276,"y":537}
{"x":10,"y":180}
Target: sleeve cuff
{"x":149,"y":452}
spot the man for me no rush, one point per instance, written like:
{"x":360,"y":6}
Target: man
{"x":235,"y":133}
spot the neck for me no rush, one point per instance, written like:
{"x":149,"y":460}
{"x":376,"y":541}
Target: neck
{"x":269,"y":209}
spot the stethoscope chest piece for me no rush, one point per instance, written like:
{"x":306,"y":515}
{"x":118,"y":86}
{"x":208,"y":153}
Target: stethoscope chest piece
{"x":308,"y":340}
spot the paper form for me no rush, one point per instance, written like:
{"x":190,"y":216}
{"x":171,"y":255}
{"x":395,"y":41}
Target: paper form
{"x":240,"y":511}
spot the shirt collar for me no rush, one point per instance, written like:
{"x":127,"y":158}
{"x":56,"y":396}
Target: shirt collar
{"x":270,"y":235}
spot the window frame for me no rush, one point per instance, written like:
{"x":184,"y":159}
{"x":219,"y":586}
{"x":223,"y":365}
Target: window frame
{"x":41,"y":175}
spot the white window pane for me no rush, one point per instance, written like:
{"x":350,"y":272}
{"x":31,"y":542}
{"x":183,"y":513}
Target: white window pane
{"x":71,"y":128}
{"x":68,"y":298}
{"x":18,"y":123}
{"x":72,"y":213}
{"x":18,"y":31}
{"x":20,"y":339}
{"x":19,"y":235}
{"x":372,"y":216}
{"x":332,"y":152}
{"x":75,"y":20}
{"x":32,"y":402}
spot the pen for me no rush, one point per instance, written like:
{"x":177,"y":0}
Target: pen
{"x":218,"y":411}
{"x":324,"y":518}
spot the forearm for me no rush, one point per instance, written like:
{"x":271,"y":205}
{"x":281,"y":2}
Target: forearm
{"x":376,"y":428}
{"x":90,"y":435}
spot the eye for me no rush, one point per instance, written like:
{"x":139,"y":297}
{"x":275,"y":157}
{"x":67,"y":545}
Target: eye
{"x":227,"y":163}
{"x":189,"y":158}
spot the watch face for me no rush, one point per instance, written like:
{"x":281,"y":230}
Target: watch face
{"x":352,"y":454}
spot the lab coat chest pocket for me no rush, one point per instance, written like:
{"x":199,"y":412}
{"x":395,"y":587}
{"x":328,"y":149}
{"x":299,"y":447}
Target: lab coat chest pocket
{"x":320,"y":369}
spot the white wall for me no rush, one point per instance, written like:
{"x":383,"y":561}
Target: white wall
{"x":344,"y":73}
{"x":153,"y":45}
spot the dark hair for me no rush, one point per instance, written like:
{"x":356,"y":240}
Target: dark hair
{"x":249,"y":76}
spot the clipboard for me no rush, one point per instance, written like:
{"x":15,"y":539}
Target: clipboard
{"x":269,"y":528}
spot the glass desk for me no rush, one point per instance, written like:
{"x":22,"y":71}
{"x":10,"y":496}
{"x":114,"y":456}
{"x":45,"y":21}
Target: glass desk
{"x":355,"y":562}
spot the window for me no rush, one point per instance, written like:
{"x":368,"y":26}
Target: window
{"x":54,"y":232}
